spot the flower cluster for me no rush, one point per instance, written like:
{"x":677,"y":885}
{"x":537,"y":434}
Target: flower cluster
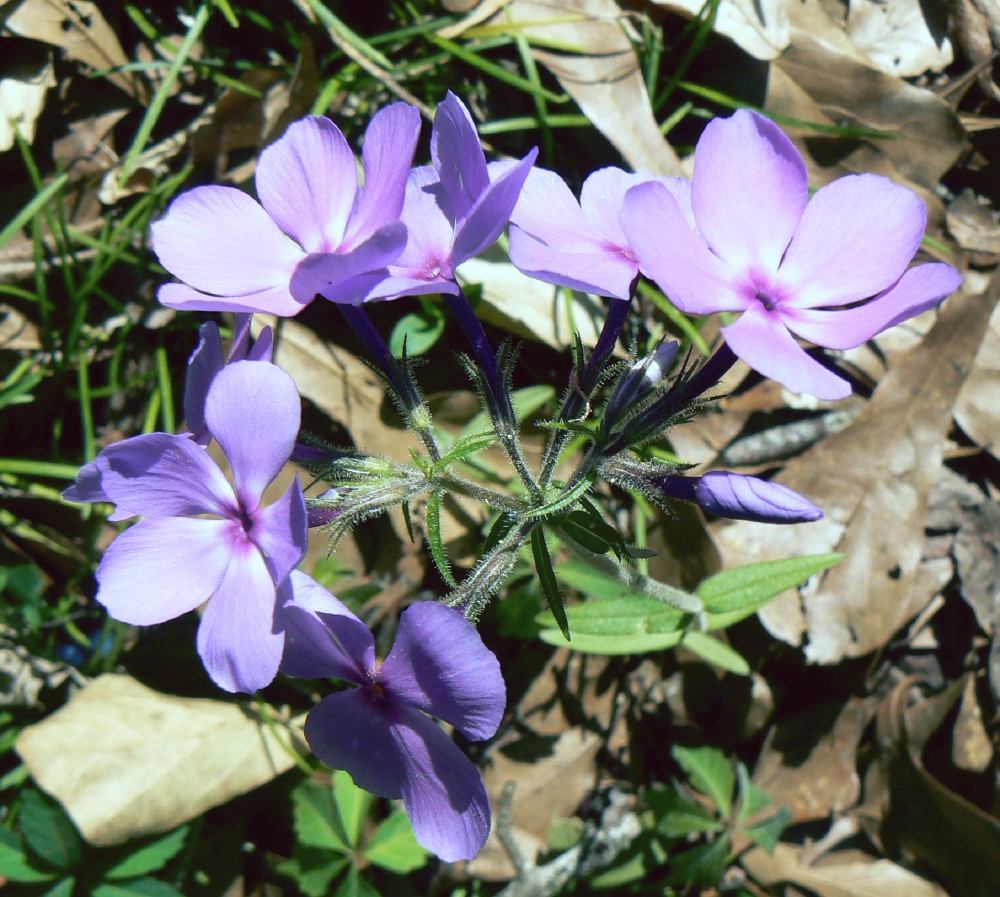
{"x":742,"y":237}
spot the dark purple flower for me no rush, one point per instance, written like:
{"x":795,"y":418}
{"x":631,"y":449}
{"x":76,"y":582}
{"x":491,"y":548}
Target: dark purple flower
{"x":788,"y":263}
{"x":314,"y":230}
{"x":741,"y":497}
{"x":639,"y":379}
{"x":207,"y":360}
{"x":581,"y":245}
{"x":379,"y":732}
{"x":202,"y":538}
{"x":454,"y":209}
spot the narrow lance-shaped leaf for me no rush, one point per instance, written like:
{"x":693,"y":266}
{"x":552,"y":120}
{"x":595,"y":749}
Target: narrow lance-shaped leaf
{"x":434,"y":539}
{"x":547,"y":578}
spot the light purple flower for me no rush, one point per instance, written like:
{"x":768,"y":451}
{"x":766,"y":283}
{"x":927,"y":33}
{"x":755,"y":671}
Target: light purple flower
{"x":314,"y":230}
{"x":207,"y":360}
{"x":379,"y":731}
{"x":202,"y":538}
{"x":741,"y":497}
{"x":789,"y":264}
{"x":581,"y":245}
{"x":454,"y":209}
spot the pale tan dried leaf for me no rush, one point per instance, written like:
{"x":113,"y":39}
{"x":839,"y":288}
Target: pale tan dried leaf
{"x":977,"y":410}
{"x":897,"y":38}
{"x":78,"y":28}
{"x":971,"y":748}
{"x":761,"y":29}
{"x":126,"y":761}
{"x":872,"y":480}
{"x":836,"y":877}
{"x":16,"y":331}
{"x":528,"y":307}
{"x":22,"y":98}
{"x":604,"y":80}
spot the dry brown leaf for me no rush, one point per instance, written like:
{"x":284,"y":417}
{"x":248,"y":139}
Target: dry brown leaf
{"x":897,"y":38}
{"x":822,"y":77}
{"x":825,"y":782}
{"x":530,"y":308}
{"x":605,"y":80}
{"x":974,"y":223}
{"x":758,"y":27}
{"x":837,"y":876}
{"x":16,"y":331}
{"x":977,"y":410}
{"x":971,"y":748}
{"x":78,"y":28}
{"x":126,"y":761}
{"x":23,"y":85}
{"x":872,"y":480}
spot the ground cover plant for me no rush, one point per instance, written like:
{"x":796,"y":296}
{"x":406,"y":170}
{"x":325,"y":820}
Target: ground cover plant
{"x":613,"y":384}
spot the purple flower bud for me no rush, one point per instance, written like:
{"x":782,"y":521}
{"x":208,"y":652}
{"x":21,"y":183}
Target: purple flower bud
{"x":741,"y":497}
{"x":320,"y":511}
{"x":639,"y":379}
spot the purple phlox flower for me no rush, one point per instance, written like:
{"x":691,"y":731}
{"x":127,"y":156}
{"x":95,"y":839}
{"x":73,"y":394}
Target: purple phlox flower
{"x":207,"y":360}
{"x":741,"y":497}
{"x":202,"y":538}
{"x":454,"y":209}
{"x":379,"y":732}
{"x":581,"y":245}
{"x":790,"y":264}
{"x":314,"y":230}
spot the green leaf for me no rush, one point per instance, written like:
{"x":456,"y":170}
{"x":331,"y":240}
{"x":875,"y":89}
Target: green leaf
{"x":316,"y":821}
{"x":678,"y":817}
{"x":547,"y":578}
{"x":14,"y":865}
{"x":149,"y":856}
{"x":394,"y":847}
{"x":587,"y":580}
{"x":611,"y":645}
{"x":526,"y":402}
{"x":563,"y":500}
{"x":63,"y":888}
{"x":768,"y":831}
{"x":752,"y":798}
{"x":435,"y":541}
{"x":584,"y":535}
{"x":419,"y":329}
{"x":704,"y":864}
{"x":716,"y":653}
{"x":137,"y":887}
{"x":734,"y":594}
{"x":48,"y":832}
{"x":313,"y":868}
{"x":711,"y":772}
{"x":354,"y":885}
{"x":352,"y":805}
{"x":464,"y":448}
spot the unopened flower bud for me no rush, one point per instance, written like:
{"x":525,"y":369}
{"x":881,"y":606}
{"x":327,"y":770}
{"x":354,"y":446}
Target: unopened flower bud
{"x":639,"y":379}
{"x":741,"y":497}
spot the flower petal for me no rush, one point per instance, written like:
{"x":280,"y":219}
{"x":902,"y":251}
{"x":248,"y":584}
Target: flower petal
{"x":762,"y":341}
{"x":673,"y":255}
{"x":490,"y":213}
{"x":917,"y":290}
{"x":855,"y":239}
{"x":273,"y":301}
{"x":350,"y":276}
{"x":439,"y":664}
{"x":749,"y":189}
{"x":281,"y":532}
{"x":603,"y":195}
{"x":306,"y":180}
{"x":237,"y":639}
{"x":218,"y":240}
{"x":390,"y":141}
{"x":162,"y":568}
{"x":160,"y":475}
{"x":346,"y":730}
{"x":322,"y":637}
{"x":592,"y":268}
{"x":253,"y":411}
{"x":205,"y":362}
{"x":548,"y":211}
{"x":442,"y":790}
{"x":458,"y":156}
